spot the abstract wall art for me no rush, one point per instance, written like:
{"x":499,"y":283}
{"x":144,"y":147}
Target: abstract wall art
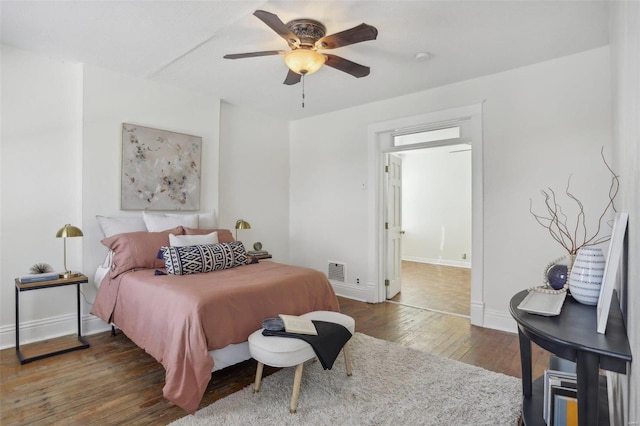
{"x":160,"y":169}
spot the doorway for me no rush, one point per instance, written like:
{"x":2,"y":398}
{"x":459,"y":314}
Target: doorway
{"x":381,"y":142}
{"x":435,"y":271}
{"x":436,"y":226}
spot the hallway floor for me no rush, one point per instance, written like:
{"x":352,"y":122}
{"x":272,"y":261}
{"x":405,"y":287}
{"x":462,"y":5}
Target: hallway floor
{"x":435,"y":287}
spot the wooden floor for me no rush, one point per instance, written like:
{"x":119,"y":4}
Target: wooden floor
{"x":437,"y":287}
{"x":115,"y":382}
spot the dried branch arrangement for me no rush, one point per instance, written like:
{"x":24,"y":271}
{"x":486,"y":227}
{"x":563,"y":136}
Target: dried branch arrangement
{"x":573,"y":238}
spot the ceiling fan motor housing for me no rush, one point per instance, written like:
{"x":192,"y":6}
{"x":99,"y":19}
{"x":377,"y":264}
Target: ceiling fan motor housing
{"x":309,"y":31}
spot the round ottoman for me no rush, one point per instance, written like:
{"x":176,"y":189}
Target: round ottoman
{"x":288,"y":352}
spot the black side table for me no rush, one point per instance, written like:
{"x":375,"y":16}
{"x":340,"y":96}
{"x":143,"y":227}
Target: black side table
{"x":571,"y":335}
{"x":20,"y":287}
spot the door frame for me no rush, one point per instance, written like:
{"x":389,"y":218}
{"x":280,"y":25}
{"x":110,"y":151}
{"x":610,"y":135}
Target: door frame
{"x":380,"y":142}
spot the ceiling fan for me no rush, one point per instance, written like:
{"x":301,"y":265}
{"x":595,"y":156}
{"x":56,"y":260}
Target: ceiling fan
{"x":305,"y":37}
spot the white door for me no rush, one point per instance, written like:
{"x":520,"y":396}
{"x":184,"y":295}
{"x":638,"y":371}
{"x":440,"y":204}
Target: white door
{"x":393,"y":225}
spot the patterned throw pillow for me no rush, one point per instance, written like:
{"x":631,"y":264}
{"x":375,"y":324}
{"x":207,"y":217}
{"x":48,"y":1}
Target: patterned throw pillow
{"x":203,"y":258}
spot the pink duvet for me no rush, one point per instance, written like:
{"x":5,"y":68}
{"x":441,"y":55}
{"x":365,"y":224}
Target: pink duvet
{"x":178,"y":319}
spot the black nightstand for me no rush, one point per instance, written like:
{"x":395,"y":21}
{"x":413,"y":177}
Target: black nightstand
{"x":20,"y":287}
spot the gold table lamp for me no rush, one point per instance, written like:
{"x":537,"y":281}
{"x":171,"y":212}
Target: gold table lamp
{"x":65,"y":232}
{"x":241,"y":224}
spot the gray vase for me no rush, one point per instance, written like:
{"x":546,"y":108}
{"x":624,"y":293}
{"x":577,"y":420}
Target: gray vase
{"x":586,"y":275}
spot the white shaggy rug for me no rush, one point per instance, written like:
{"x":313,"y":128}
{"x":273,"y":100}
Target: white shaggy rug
{"x":391,"y":384}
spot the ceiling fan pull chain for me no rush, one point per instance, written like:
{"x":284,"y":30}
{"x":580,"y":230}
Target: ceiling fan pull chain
{"x":303,"y":89}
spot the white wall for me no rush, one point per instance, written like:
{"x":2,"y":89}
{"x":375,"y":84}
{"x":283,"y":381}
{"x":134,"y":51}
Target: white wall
{"x":328,"y":202}
{"x":40,"y":189}
{"x":61,"y":157}
{"x":254,"y":178}
{"x":436,"y":206}
{"x":541,"y":123}
{"x":110,"y":99}
{"x":625,"y":65}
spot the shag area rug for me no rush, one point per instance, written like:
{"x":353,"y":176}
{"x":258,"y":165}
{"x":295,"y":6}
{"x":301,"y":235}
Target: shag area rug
{"x":391,"y":385}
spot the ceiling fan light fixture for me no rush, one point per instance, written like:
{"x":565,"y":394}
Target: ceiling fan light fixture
{"x":304,"y":61}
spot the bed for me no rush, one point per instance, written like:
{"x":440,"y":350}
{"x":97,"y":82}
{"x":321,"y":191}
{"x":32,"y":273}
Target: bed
{"x":197,"y":323}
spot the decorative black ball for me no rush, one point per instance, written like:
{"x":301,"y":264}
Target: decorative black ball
{"x":557,"y":276}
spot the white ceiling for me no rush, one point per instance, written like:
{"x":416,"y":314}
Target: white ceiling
{"x":183,"y":43}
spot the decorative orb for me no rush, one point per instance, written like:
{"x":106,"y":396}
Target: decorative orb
{"x":557,"y":276}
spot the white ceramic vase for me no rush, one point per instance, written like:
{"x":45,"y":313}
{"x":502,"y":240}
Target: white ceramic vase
{"x":586,"y":275}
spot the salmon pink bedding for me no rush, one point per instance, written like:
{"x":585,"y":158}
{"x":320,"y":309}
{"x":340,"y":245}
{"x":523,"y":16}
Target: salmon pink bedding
{"x":179,"y":318}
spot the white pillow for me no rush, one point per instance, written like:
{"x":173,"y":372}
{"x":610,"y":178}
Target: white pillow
{"x":207,"y":220}
{"x":119,"y":225}
{"x":162,"y":222}
{"x":193,"y":240}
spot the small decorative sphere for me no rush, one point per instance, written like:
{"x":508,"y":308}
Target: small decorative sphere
{"x":557,"y":276}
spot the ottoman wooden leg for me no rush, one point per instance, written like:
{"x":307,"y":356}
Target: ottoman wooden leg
{"x":256,"y":385}
{"x":296,"y":388}
{"x":347,"y":358}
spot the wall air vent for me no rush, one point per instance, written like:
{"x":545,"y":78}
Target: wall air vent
{"x":337,"y":271}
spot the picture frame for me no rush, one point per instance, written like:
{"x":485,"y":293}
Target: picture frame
{"x":616,"y":248}
{"x":160,"y":169}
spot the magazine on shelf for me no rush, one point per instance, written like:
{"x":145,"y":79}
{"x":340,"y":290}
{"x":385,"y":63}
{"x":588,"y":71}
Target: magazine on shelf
{"x":564,"y":406}
{"x":555,"y":379}
{"x":299,"y":325}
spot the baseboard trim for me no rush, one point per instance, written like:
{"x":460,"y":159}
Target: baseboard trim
{"x":93,"y":325}
{"x":37,"y":330}
{"x":50,"y":328}
{"x":351,"y":291}
{"x":434,"y":261}
{"x":476,"y":313}
{"x":500,"y":320}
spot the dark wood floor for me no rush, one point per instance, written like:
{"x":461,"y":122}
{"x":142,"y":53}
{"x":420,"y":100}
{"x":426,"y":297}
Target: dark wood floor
{"x":115,"y":382}
{"x":437,"y":287}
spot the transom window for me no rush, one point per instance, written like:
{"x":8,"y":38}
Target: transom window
{"x":427,"y":136}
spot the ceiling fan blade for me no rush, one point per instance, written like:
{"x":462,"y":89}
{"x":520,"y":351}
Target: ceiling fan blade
{"x":347,"y":66}
{"x":278,"y":26}
{"x":292,"y":78}
{"x":362,"y":32}
{"x":253,"y":54}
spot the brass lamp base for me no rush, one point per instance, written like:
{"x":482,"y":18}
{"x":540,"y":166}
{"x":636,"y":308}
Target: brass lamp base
{"x":69,"y":274}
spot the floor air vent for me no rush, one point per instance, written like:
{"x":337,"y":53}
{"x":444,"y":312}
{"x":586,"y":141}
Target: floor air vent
{"x":337,"y":271}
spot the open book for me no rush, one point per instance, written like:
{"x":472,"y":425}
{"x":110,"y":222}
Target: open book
{"x":299,"y":325}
